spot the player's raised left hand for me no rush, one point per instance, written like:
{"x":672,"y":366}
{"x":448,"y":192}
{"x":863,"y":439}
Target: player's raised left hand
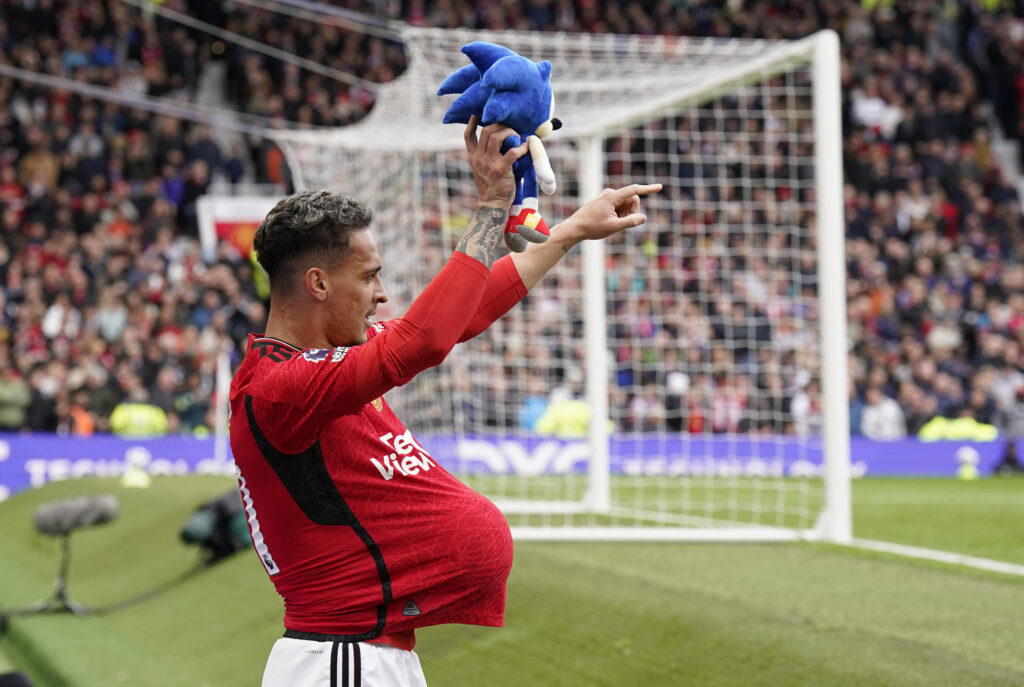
{"x":614,"y":210}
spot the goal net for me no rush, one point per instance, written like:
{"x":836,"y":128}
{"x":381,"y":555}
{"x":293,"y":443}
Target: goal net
{"x":683,"y":380}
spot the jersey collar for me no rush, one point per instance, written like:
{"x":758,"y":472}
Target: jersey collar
{"x":269,"y":339}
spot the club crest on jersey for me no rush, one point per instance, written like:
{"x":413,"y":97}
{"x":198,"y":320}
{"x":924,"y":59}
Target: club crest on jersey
{"x":316,"y":355}
{"x":378,"y":404}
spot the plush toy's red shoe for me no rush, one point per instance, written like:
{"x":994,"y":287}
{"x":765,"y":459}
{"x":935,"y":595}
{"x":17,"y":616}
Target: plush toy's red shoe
{"x":525,"y":226}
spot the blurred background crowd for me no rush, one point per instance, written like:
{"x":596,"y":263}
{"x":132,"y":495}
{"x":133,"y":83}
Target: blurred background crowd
{"x":105,"y":300}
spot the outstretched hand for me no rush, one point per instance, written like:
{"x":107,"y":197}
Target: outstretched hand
{"x":614,"y":210}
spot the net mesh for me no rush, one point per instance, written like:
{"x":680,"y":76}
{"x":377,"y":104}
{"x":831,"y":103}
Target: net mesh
{"x":712,"y":336}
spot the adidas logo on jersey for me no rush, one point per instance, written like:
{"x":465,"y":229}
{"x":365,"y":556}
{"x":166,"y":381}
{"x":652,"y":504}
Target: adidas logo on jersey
{"x":402,"y":460}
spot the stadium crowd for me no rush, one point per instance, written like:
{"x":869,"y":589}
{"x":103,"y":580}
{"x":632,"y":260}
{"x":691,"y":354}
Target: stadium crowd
{"x":105,"y":300}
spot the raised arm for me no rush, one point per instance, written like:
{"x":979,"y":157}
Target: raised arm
{"x":424,"y":336}
{"x":612,"y":211}
{"x":514,"y":275}
{"x":495,"y":186}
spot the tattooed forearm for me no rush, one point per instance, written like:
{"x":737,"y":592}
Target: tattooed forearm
{"x":482,"y":239}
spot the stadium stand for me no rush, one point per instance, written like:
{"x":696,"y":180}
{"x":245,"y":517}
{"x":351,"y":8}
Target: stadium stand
{"x":105,"y":299}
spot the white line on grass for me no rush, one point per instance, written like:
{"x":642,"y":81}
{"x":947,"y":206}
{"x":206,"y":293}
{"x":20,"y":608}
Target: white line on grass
{"x":940,"y":556}
{"x":985,"y":499}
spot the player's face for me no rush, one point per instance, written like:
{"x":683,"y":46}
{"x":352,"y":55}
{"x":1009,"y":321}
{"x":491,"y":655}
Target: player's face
{"x":356,"y":291}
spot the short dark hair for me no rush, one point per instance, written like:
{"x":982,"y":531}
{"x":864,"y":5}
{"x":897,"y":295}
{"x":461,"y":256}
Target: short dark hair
{"x":309,"y":224}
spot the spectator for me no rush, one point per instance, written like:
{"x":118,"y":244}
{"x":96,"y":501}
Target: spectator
{"x":566,"y":417}
{"x":805,"y":409}
{"x":78,"y":420}
{"x":646,"y":412}
{"x":935,"y":284}
{"x":41,"y":413}
{"x":882,"y":417}
{"x":962,"y":428}
{"x":1010,"y":415}
{"x":856,"y":411}
{"x":1009,"y":464}
{"x":15,"y":397}
{"x":535,"y":403}
{"x":136,"y":417}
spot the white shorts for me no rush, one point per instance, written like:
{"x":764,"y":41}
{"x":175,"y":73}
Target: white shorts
{"x":308,"y":663}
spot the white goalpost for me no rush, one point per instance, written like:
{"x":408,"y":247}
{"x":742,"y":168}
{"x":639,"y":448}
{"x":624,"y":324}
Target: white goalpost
{"x":686,"y":380}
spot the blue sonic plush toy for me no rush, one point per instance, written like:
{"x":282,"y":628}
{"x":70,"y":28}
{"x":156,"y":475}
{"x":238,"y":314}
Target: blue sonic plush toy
{"x":502,"y":86}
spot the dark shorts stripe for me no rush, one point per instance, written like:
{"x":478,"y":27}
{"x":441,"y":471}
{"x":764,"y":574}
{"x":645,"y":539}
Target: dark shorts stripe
{"x":334,"y":664}
{"x":344,"y":664}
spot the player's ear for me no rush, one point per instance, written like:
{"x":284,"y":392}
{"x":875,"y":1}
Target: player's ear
{"x":316,"y":283}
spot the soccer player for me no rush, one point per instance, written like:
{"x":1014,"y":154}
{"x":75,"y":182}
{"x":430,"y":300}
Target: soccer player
{"x":363,"y":534}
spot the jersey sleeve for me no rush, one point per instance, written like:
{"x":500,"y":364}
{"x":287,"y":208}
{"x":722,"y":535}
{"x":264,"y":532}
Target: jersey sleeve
{"x":316,"y":385}
{"x":504,"y":289}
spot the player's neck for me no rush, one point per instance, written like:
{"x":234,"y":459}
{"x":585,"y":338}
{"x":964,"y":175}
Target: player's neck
{"x":285,"y":324}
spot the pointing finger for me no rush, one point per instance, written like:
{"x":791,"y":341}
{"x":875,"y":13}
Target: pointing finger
{"x":637,"y":190}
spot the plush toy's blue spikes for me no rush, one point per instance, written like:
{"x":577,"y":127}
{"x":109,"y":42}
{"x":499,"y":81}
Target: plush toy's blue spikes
{"x":470,"y":103}
{"x":466,"y":81}
{"x":517,"y":72}
{"x":483,"y":55}
{"x":521,"y":93}
{"x":500,"y":86}
{"x":459,"y":80}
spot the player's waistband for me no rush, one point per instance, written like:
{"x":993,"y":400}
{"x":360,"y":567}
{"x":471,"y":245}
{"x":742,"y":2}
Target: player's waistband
{"x":400,"y":640}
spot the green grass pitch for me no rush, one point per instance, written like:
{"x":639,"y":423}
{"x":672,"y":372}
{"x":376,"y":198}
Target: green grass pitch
{"x":578,"y":614}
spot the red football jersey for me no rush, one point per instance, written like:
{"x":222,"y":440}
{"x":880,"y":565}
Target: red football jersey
{"x":360,"y":530}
